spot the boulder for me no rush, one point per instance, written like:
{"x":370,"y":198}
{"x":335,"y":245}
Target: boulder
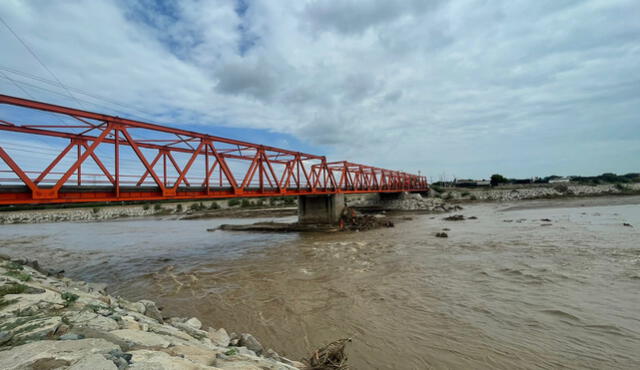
{"x":93,"y":362}
{"x":155,"y":360}
{"x":247,"y":340}
{"x":198,"y":355}
{"x":143,"y":338}
{"x":194,"y":323}
{"x":27,"y":355}
{"x":88,"y":319}
{"x":219,"y":337}
{"x":152,"y":311}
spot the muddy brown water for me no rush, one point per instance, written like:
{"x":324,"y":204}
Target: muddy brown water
{"x":505,"y":291}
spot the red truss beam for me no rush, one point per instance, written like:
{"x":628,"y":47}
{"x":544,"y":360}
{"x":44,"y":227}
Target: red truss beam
{"x":226,"y":167}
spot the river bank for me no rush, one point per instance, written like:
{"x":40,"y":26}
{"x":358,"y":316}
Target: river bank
{"x":49,"y":322}
{"x":436,"y":202}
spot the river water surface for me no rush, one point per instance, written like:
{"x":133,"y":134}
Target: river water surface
{"x":506,"y":290}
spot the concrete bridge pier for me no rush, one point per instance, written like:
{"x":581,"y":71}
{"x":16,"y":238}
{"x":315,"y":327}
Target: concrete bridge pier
{"x":320,"y":209}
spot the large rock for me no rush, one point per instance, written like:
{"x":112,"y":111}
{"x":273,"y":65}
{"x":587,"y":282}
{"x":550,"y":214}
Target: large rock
{"x":219,"y":337}
{"x":198,"y":355}
{"x":26,"y":355}
{"x":89,"y":319}
{"x":93,"y":362}
{"x":152,"y":311}
{"x":194,"y":323}
{"x":143,"y":338}
{"x":247,"y":340}
{"x":154,"y":360}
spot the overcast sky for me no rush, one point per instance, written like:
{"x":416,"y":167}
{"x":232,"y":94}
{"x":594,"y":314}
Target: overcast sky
{"x":465,"y":88}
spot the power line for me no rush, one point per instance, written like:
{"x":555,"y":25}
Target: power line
{"x":17,"y":85}
{"x":39,"y":60}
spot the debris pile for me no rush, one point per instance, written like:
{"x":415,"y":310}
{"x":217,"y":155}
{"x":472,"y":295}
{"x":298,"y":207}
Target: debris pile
{"x":330,"y":357}
{"x":353,"y":220}
{"x":455,"y":218}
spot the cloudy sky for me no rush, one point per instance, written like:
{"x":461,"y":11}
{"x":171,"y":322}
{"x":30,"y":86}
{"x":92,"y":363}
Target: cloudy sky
{"x":461,"y":88}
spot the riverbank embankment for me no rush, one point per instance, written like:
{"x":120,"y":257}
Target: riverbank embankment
{"x":49,"y":322}
{"x":184,"y":210}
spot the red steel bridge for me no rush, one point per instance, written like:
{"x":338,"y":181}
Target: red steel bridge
{"x":56,"y":154}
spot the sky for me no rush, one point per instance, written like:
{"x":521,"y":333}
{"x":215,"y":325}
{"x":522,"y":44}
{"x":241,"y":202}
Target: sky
{"x":462,"y":88}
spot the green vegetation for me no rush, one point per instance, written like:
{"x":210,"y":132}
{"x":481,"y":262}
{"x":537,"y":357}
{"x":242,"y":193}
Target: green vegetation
{"x":69,"y":298}
{"x":234,"y":202}
{"x":214,"y":205}
{"x":436,"y":188}
{"x":498,"y":179}
{"x":157,"y":207}
{"x":465,"y":194}
{"x":179,"y":208}
{"x":473,"y":197}
{"x":197,"y":207}
{"x":246,"y":203}
{"x":231,"y":352}
{"x":607,"y":178}
{"x":95,"y":210}
{"x":18,"y":275}
{"x":146,"y":206}
{"x":13,"y":266}
{"x":289,"y":201}
{"x":12,"y":289}
{"x":4,"y":303}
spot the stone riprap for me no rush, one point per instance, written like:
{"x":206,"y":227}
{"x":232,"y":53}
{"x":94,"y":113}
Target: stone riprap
{"x":439,"y":201}
{"x":509,"y":193}
{"x":48,"y":322}
{"x":110,"y":212}
{"x":404,"y":202}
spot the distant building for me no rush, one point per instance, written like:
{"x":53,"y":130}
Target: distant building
{"x":561,"y":180}
{"x":469,"y":183}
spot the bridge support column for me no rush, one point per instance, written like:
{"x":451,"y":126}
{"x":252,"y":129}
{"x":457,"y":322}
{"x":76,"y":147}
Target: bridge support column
{"x":320,"y":209}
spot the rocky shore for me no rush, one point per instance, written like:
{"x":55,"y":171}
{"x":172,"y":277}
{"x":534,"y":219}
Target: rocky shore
{"x":547,"y":191}
{"x":182,"y":210}
{"x":52,"y":322}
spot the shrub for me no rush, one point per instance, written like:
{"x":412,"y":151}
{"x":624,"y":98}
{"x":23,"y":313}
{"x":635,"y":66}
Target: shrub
{"x":234,"y":202}
{"x":621,"y":187}
{"x":473,"y":197}
{"x":157,"y":207}
{"x":246,"y":203}
{"x":197,"y":206}
{"x":214,"y":205}
{"x":145,"y":207}
{"x":436,"y":188}
{"x":12,"y":289}
{"x":498,"y":179}
{"x":95,"y":210}
{"x":179,"y":208}
{"x":465,"y":193}
{"x":69,"y":298}
{"x":448,"y":196}
{"x":289,"y":201}
{"x":18,"y":275}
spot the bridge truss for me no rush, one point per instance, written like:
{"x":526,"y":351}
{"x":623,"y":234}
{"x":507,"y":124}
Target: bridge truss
{"x":102,"y":158}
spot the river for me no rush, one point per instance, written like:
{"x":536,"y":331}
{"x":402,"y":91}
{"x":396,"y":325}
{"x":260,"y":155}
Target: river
{"x":506,"y":290}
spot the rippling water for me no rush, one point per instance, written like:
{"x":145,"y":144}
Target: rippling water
{"x":507,"y":290}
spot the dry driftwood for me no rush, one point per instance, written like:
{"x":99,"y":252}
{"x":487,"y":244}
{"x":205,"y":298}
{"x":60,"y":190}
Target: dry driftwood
{"x":330,"y":357}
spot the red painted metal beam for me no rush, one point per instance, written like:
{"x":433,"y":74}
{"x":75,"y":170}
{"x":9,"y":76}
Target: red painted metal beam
{"x":279,"y":171}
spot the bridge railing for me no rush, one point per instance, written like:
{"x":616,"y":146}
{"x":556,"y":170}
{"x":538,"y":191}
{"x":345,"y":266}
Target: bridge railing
{"x":56,"y":154}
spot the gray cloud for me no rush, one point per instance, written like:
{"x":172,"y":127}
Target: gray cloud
{"x":466,"y":87}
